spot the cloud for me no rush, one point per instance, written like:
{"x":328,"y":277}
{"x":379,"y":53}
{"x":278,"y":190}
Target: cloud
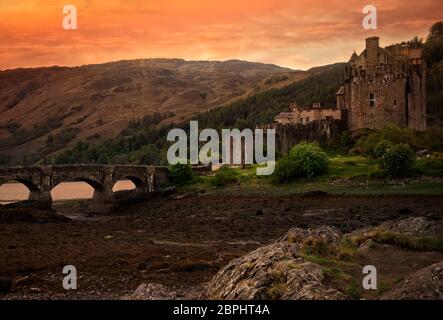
{"x":293,"y":33}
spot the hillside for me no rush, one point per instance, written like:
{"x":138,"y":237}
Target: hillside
{"x":143,"y":143}
{"x":59,"y":106}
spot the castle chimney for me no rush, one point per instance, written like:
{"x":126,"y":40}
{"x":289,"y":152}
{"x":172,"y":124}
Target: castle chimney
{"x":372,"y":45}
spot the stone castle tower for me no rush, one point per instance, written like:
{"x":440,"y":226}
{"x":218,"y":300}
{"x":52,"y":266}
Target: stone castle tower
{"x":384,"y":86}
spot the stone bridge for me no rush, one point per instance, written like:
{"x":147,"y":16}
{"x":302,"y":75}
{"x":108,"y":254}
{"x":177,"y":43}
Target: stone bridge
{"x":40,"y":180}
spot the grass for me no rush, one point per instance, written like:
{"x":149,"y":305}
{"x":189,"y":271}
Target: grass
{"x":410,"y":242}
{"x":347,"y":175}
{"x":276,"y":290}
{"x":353,"y":290}
{"x":351,"y":167}
{"x":323,"y":261}
{"x":335,"y":274}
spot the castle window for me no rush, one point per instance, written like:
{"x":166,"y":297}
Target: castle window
{"x":395,"y":102}
{"x":307,"y":119}
{"x":371,"y":100}
{"x":301,"y":120}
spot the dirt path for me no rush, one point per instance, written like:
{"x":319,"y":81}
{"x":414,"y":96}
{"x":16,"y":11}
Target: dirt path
{"x":179,"y":243}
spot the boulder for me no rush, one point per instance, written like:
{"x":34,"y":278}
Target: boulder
{"x":276,"y":271}
{"x":417,"y":226}
{"x":425,"y":284}
{"x":299,"y":235}
{"x":151,"y":291}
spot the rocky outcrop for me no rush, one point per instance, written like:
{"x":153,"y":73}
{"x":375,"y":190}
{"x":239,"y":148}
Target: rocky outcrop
{"x":297,"y":236}
{"x":276,"y":271}
{"x":425,"y":284}
{"x":417,"y":226}
{"x":282,"y":270}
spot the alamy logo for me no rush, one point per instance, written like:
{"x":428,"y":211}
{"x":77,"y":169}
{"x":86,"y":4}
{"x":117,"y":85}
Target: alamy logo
{"x":70,"y":17}
{"x":238,"y":147}
{"x":370,"y":20}
{"x":70,"y":281}
{"x":370,"y":281}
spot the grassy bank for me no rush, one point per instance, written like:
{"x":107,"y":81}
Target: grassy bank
{"x":346,"y":175}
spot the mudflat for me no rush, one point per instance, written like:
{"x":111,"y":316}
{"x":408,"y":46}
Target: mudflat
{"x":179,"y":241}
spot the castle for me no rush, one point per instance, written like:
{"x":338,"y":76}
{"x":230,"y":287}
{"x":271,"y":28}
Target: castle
{"x":382,"y":86}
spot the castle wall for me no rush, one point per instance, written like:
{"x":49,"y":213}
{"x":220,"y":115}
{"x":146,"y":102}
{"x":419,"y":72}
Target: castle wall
{"x":417,"y":99}
{"x":385,"y":86}
{"x":325,"y":132}
{"x":388,"y":105}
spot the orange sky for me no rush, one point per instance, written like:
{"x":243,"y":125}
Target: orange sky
{"x":293,"y":33}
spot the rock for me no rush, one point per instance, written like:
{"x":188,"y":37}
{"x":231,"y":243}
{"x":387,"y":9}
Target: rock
{"x":414,"y":226}
{"x":367,"y":245}
{"x":259,"y":212}
{"x":151,"y":291}
{"x":298,"y":235}
{"x":418,"y":226}
{"x":36,"y":290}
{"x":276,"y":271}
{"x":5,"y":284}
{"x":425,"y":284}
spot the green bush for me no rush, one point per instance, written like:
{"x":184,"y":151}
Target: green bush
{"x":180,"y":173}
{"x":305,"y":160}
{"x":398,"y":159}
{"x":393,"y":134}
{"x":381,"y":147}
{"x":285,"y":171}
{"x":309,"y":160}
{"x":225,"y":176}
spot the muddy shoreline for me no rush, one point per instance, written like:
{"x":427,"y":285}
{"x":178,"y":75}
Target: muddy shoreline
{"x":179,"y":242}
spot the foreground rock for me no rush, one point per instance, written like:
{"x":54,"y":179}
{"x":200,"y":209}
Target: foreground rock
{"x":282,"y":271}
{"x":425,"y":284}
{"x":276,"y":271}
{"x":417,"y":226}
{"x":156,"y":291}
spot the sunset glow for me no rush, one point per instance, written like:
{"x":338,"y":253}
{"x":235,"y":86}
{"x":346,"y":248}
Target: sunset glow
{"x":293,"y":33}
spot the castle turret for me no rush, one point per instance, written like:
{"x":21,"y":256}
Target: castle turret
{"x":372,"y":45}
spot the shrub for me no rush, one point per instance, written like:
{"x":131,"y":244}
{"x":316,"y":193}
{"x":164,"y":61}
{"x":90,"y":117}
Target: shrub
{"x":431,"y":165}
{"x":180,"y":173}
{"x":309,"y":160}
{"x":225,"y":176}
{"x":398,"y":159}
{"x":285,"y":171}
{"x":380,"y":148}
{"x":395,"y":135}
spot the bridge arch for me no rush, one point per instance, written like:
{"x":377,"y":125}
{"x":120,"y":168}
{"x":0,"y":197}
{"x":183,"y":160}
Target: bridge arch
{"x":96,"y":185}
{"x":140,"y":186}
{"x":33,"y":185}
